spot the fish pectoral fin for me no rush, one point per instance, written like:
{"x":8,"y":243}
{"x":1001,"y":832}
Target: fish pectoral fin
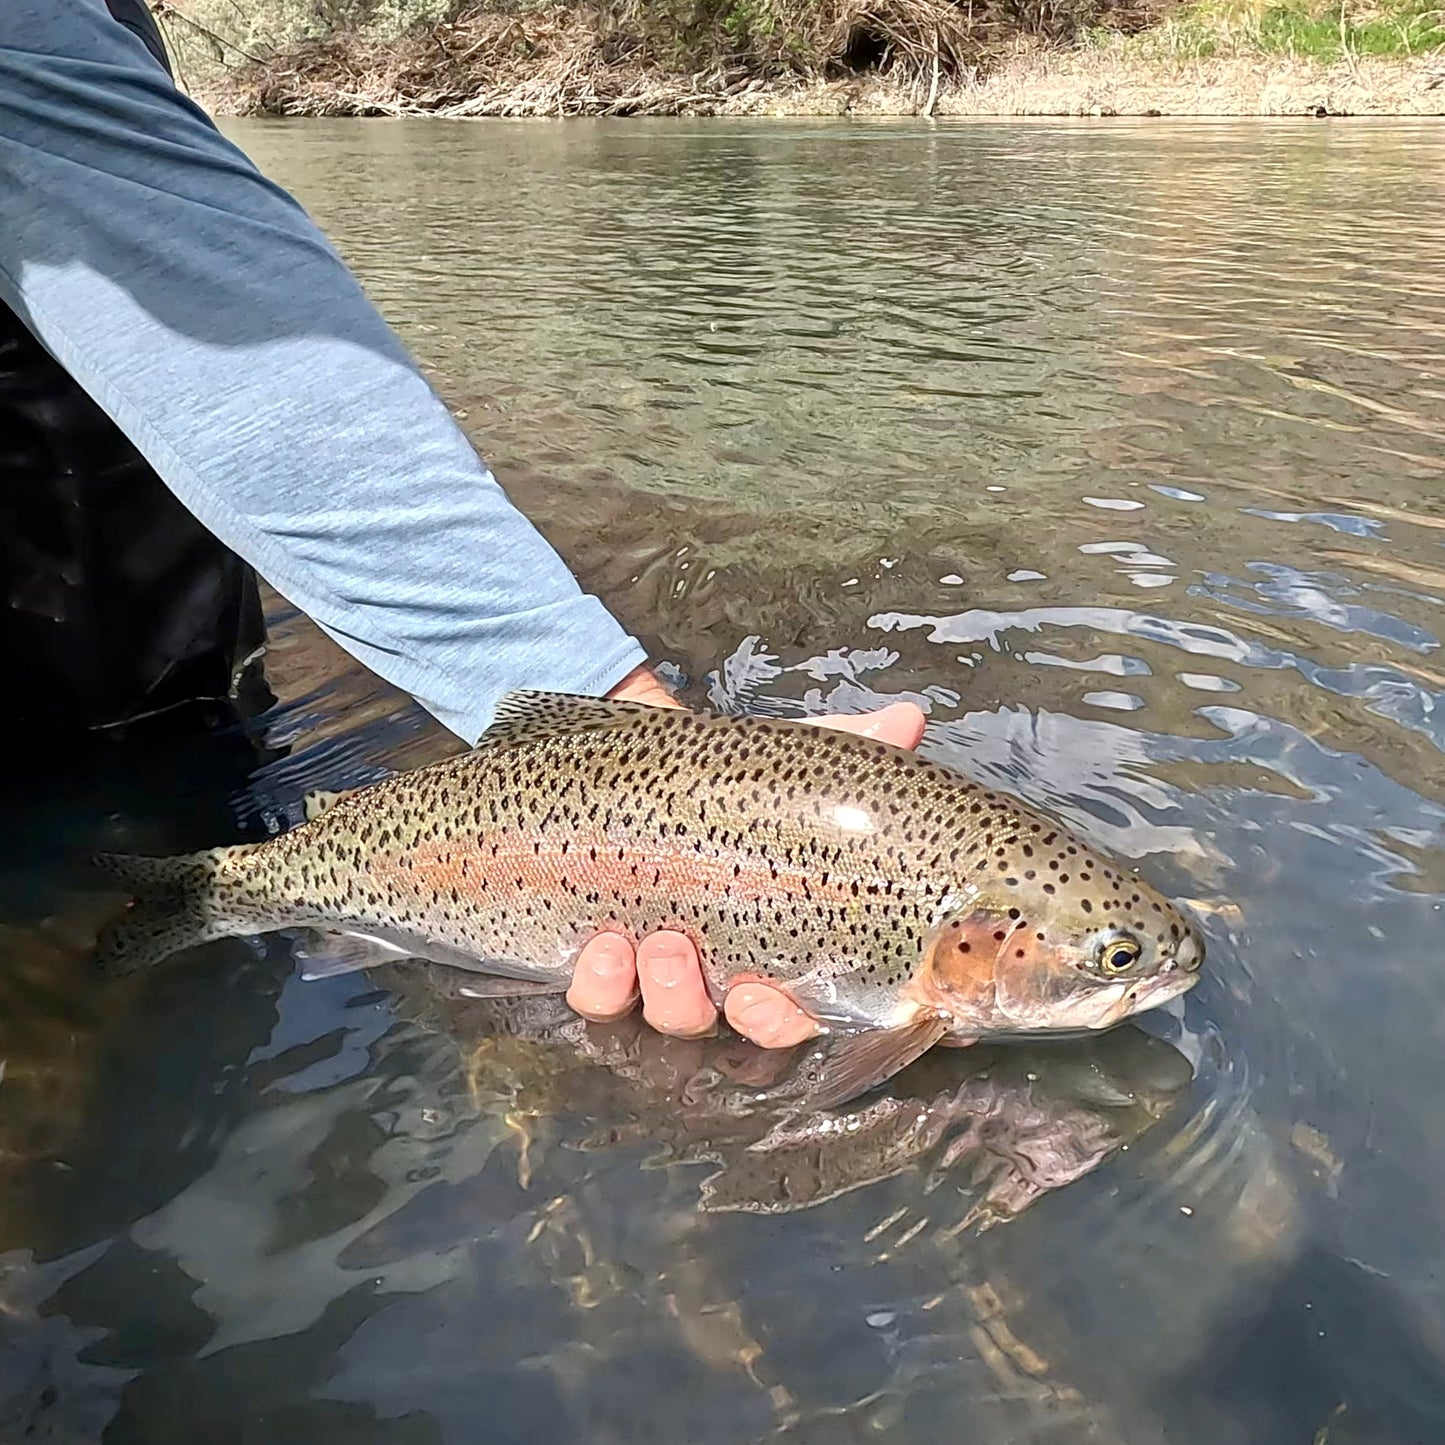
{"x":335,"y":953}
{"x":858,"y":1062}
{"x":491,"y":985}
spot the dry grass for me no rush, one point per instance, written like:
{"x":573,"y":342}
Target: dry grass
{"x":556,"y":62}
{"x":614,"y":57}
{"x":548,"y":63}
{"x":806,"y":57}
{"x":1118,"y":81}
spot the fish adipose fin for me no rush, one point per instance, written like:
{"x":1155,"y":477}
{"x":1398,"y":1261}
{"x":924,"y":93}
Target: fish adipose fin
{"x":170,"y":911}
{"x":318,"y":800}
{"x":858,"y":1062}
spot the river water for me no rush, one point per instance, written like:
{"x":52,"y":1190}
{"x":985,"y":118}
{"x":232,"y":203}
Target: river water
{"x":1122,"y":450}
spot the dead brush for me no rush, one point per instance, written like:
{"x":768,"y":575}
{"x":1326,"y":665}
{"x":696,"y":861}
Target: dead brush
{"x":621,"y":57}
{"x":915,"y":37}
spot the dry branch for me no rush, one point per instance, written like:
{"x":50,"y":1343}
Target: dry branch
{"x":616,"y":57}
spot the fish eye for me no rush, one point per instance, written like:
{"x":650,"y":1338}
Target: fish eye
{"x":1118,"y":955}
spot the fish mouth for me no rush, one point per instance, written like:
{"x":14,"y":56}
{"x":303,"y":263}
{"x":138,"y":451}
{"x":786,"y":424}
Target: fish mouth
{"x":1096,"y":1013}
{"x":1153,"y":993}
{"x":1118,"y":1003}
{"x":1060,"y":1035}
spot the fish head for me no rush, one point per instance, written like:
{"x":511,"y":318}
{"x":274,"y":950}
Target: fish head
{"x":1054,"y":940}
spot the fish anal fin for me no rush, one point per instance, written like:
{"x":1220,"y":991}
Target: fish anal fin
{"x":858,"y":1062}
{"x":327,"y":954}
{"x":491,"y":985}
{"x":324,"y":954}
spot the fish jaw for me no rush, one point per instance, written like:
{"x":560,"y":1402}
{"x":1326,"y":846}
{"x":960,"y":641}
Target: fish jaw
{"x":1099,"y":1007}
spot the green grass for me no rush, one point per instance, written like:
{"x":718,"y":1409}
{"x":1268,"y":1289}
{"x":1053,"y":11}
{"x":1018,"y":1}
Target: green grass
{"x":1316,"y":29}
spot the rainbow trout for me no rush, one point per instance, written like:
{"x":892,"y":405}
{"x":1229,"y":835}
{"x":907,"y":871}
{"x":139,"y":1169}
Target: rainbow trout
{"x":900,"y":903}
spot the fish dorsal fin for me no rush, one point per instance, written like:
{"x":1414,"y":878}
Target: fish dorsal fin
{"x":318,"y":800}
{"x":524,"y":716}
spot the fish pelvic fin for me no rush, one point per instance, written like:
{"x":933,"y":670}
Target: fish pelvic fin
{"x":172,"y":909}
{"x":858,"y":1062}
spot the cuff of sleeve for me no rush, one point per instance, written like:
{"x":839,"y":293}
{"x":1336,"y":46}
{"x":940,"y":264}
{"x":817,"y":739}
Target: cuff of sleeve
{"x":593,"y":654}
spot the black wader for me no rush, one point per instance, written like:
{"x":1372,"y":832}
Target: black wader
{"x":116,"y":605}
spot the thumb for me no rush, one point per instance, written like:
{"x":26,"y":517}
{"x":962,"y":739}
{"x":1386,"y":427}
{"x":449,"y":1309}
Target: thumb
{"x":901,"y":723}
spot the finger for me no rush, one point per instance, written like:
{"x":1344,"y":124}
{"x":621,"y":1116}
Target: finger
{"x":747,"y":1063}
{"x":604,"y":982}
{"x":900,"y":723}
{"x":674,"y":1000}
{"x":768,"y":1017}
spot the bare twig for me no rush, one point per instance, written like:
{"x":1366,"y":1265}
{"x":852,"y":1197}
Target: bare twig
{"x":164,"y":11}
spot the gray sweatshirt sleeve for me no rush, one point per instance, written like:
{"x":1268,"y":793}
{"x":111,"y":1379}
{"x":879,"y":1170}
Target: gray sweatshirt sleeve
{"x":201,"y":308}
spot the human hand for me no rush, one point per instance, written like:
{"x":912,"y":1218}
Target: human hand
{"x":665,"y":966}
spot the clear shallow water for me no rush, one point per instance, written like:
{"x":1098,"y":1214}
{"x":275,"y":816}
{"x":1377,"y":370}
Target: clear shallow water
{"x":1122,"y":450}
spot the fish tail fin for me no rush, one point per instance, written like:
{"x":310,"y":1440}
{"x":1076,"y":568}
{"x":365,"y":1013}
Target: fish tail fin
{"x":172,"y":909}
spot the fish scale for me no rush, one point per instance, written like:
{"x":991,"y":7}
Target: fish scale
{"x":890,"y":894}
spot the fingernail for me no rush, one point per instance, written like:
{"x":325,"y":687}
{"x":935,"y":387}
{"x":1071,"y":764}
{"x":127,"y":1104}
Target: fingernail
{"x":609,"y":962}
{"x":759,"y":1018}
{"x":669,"y":969}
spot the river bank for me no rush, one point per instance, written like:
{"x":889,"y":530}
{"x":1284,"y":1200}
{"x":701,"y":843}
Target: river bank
{"x":919,"y":57}
{"x":1046,"y":83}
{"x":1116,"y":82}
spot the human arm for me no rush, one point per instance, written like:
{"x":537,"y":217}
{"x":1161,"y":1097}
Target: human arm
{"x":201,"y":308}
{"x":208,"y":316}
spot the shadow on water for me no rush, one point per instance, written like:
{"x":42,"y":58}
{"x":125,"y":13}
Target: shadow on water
{"x":1120,"y":451}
